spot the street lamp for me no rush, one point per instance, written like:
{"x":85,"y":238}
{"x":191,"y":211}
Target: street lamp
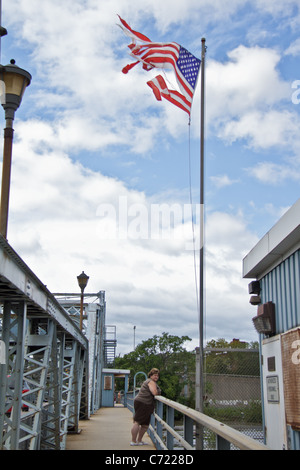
{"x":15,"y":81}
{"x":82,"y":282}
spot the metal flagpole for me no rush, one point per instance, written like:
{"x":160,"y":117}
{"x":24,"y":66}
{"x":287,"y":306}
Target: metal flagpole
{"x":200,"y":361}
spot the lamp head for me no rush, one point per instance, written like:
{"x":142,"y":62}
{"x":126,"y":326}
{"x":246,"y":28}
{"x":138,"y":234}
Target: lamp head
{"x":15,"y":81}
{"x":82,"y":280}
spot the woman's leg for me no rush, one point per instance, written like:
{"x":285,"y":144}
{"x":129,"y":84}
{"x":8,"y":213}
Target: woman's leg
{"x":134,"y":431}
{"x":142,"y":431}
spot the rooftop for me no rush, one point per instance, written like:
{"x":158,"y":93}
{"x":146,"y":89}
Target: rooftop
{"x":280,"y":242}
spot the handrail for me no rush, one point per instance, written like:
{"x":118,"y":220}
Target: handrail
{"x":175,"y":434}
{"x":224,"y":433}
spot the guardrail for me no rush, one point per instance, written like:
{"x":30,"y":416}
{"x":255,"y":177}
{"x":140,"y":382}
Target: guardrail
{"x":225,"y":435}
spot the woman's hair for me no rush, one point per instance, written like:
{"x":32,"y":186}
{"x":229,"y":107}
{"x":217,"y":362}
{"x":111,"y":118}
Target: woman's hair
{"x":153,"y":371}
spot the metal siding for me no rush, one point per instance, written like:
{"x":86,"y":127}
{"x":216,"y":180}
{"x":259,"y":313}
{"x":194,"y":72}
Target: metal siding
{"x":282,"y":286}
{"x":296,"y":286}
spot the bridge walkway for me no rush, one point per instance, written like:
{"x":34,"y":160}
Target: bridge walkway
{"x":107,"y":429}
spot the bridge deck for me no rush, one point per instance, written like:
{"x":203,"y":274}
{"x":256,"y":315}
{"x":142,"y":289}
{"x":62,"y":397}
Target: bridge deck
{"x":107,"y":429}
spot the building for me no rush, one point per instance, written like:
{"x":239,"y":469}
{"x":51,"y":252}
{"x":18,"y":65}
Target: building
{"x":274,"y":267}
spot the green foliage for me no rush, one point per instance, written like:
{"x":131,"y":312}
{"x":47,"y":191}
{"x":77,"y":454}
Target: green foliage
{"x":248,"y":413}
{"x":177,"y":365}
{"x":167,"y":354}
{"x":232,"y":362}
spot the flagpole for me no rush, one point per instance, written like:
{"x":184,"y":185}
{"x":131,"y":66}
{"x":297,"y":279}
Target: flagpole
{"x":199,"y":444}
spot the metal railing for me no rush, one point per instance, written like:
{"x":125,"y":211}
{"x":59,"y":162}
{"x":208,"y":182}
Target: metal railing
{"x":162,"y":431}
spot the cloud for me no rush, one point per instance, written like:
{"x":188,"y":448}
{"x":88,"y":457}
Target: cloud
{"x":222,"y":181}
{"x":79,"y":103}
{"x":247,"y":81}
{"x":264,"y":130}
{"x":57,"y":227}
{"x":273,"y":173}
{"x":78,"y":76}
{"x":249,"y":101}
{"x":294,"y":48}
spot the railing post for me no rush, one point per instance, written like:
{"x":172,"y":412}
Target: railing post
{"x":159,"y":427}
{"x":150,"y":432}
{"x":221,"y":443}
{"x":170,"y":422}
{"x":188,"y":429}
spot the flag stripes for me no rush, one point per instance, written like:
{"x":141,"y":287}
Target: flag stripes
{"x":165,"y":56}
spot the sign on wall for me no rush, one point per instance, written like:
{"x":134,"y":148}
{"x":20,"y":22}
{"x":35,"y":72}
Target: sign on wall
{"x":272,"y":389}
{"x":107,"y":382}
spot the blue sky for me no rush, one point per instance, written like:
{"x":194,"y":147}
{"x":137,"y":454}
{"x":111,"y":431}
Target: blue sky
{"x":89,"y":139}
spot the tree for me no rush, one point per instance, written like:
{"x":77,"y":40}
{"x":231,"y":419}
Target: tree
{"x":223,"y":357}
{"x":166,"y":353}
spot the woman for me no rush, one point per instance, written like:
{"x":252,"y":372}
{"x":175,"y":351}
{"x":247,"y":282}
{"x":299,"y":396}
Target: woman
{"x":144,"y":404}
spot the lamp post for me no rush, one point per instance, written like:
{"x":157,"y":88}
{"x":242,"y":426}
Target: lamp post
{"x":82,"y":282}
{"x":15,"y":80}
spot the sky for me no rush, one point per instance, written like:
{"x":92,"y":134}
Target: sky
{"x":103,"y":174}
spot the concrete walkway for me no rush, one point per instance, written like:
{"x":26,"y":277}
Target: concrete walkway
{"x":107,"y":429}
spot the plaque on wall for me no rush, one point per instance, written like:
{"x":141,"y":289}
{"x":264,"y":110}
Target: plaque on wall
{"x":272,"y":389}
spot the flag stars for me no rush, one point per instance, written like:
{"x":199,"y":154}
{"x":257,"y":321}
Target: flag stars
{"x":166,"y":55}
{"x":189,"y":66}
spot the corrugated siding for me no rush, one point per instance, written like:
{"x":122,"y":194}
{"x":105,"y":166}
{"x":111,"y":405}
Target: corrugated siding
{"x":282,"y":286}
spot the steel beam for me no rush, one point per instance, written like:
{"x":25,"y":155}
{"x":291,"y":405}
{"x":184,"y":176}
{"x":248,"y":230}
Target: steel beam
{"x":18,"y":282}
{"x":36,"y":333}
{"x":45,"y":360}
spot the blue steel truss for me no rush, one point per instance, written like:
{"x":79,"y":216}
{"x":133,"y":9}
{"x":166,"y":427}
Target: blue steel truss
{"x":50,"y":372}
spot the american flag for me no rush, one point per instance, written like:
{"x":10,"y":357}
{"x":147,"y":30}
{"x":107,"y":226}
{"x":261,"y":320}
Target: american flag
{"x":165,"y":56}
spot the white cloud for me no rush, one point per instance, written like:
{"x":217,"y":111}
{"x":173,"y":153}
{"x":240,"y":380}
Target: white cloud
{"x":277,"y":9}
{"x":77,"y":53}
{"x":222,"y":181}
{"x":294,"y":48}
{"x":265,"y":129}
{"x":79,"y":76}
{"x":56,"y":227}
{"x":248,"y":101}
{"x":273,"y":173}
{"x":248,"y":80}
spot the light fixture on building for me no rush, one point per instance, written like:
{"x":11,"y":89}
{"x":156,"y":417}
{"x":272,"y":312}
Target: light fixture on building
{"x":264,"y":322}
{"x":255,"y":300}
{"x":254,"y":288}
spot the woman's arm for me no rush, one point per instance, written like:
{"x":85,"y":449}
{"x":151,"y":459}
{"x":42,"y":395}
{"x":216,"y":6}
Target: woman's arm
{"x":153,"y":388}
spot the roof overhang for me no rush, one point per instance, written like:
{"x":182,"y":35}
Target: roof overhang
{"x":118,"y":372}
{"x":280,"y":242}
